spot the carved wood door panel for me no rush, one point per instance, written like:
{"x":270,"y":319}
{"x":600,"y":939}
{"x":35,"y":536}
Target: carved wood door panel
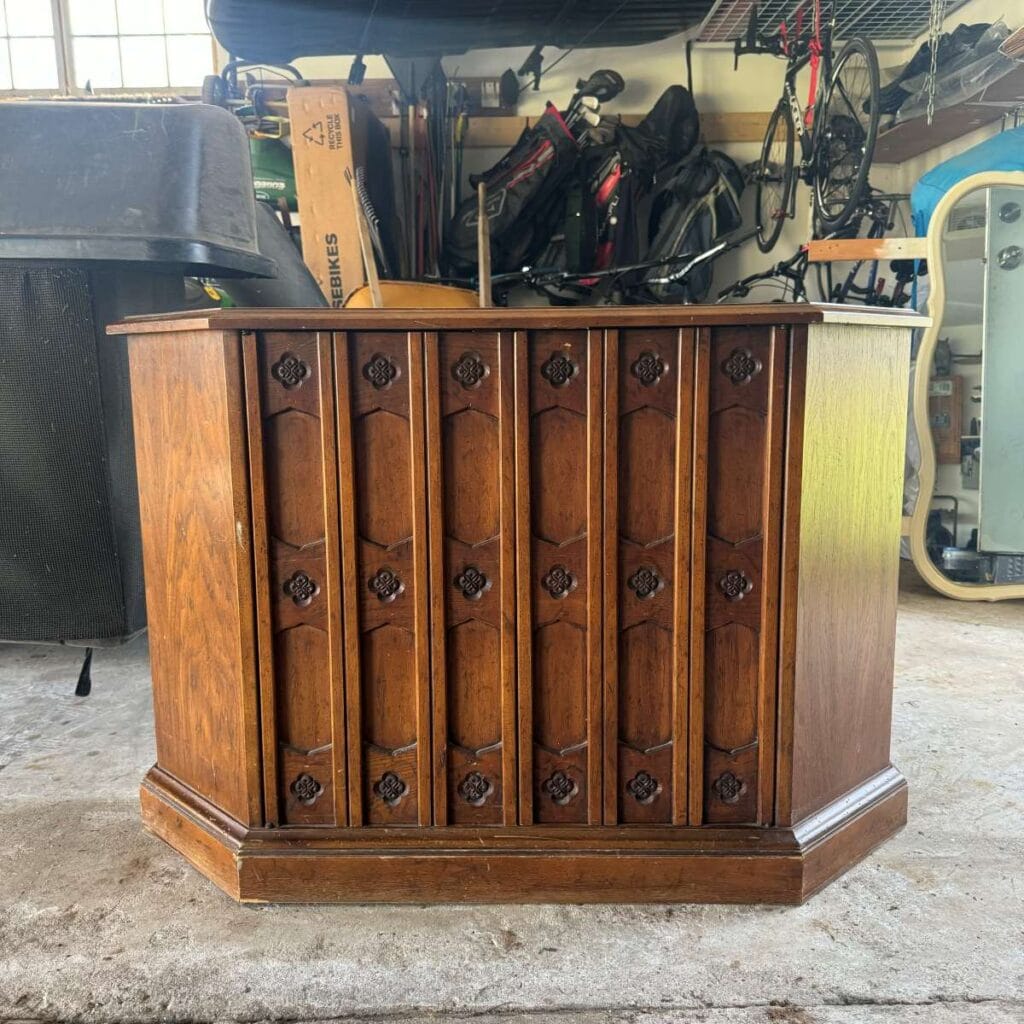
{"x":559,"y":425}
{"x":384,"y":543}
{"x":741,"y":381}
{"x":648,"y":448}
{"x":471,"y":458}
{"x":291,"y":433}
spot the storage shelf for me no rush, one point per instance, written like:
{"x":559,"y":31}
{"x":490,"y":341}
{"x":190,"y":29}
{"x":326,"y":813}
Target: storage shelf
{"x":914,"y":137}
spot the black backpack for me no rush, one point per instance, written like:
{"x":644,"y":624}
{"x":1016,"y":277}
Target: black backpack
{"x":696,"y":209}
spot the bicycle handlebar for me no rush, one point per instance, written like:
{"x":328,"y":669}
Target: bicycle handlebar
{"x":754,"y":42}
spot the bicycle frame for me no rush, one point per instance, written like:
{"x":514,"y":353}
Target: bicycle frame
{"x":799,"y":54}
{"x":805,"y":128}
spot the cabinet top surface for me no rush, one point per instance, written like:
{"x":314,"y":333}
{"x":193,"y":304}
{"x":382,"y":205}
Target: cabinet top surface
{"x":599,"y":317}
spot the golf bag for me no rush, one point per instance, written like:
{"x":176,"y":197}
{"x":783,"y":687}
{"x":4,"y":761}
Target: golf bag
{"x":604,"y":223}
{"x":524,"y":195}
{"x":695,"y":210}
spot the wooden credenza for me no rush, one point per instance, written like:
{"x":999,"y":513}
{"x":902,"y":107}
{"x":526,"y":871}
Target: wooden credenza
{"x":588,"y":605}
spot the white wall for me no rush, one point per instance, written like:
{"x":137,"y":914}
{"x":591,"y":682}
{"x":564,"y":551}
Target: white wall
{"x":649,"y":69}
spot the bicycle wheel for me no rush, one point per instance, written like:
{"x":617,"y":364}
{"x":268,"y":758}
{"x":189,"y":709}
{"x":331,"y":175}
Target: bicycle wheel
{"x":775,"y":177}
{"x":848,"y":129}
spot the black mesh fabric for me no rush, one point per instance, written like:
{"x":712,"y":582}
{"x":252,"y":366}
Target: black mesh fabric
{"x":60,"y":570}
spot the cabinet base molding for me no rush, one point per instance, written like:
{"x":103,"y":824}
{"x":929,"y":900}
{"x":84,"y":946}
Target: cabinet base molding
{"x":739,"y":864}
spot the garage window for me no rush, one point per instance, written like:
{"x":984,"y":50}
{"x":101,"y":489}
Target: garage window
{"x":28,"y":50}
{"x":81,"y":46}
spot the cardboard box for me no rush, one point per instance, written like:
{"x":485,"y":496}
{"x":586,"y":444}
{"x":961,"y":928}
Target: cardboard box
{"x":329,"y":133}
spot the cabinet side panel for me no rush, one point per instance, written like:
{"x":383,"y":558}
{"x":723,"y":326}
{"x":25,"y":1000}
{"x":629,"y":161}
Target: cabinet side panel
{"x":383,"y":495}
{"x":559,"y":424}
{"x":649,"y":395}
{"x":188,"y":408}
{"x":851,"y":481}
{"x":470,"y":436}
{"x":300,"y":573}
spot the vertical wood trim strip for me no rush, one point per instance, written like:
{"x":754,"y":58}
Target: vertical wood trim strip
{"x":261,"y":569}
{"x":772,"y":515}
{"x":610,"y":751}
{"x":685,"y":361}
{"x":524,"y":569}
{"x":235,"y":405}
{"x":698,"y":562}
{"x":417,"y":457}
{"x":790,"y":575}
{"x":332,"y":539}
{"x":510,"y":784}
{"x":349,"y":562}
{"x":435,"y":519}
{"x":595,"y":604}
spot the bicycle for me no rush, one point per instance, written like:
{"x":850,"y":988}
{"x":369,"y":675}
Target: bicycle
{"x":793,"y":284}
{"x":836,"y":131}
{"x":881,"y":211}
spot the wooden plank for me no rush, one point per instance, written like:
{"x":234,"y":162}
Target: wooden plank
{"x":502,"y":131}
{"x":382,"y":95}
{"x":483,"y":246}
{"x":828,"y":250}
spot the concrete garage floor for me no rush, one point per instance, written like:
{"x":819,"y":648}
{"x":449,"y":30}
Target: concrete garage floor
{"x":100,"y":922}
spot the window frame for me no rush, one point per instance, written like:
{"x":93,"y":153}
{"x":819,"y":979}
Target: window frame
{"x":63,"y":47}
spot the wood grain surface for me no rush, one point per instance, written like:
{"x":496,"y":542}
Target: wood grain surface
{"x":471,"y":482}
{"x":647,"y":479}
{"x":846,"y":559}
{"x":382,"y":481}
{"x":290,"y":382}
{"x":191,"y":455}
